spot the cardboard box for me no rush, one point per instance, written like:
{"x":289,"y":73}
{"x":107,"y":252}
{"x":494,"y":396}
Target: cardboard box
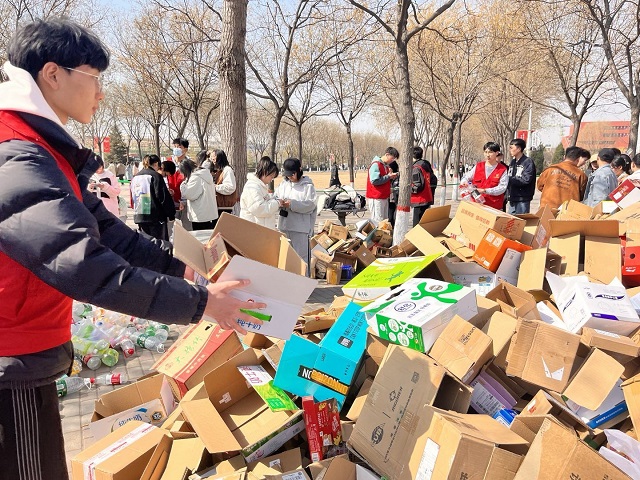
{"x":121,"y":455}
{"x":473,"y":276}
{"x":557,"y":454}
{"x":381,"y":276}
{"x":361,"y":398}
{"x":278,"y":464}
{"x":472,"y":220}
{"x":603,"y":258}
{"x":283,"y":292}
{"x":425,"y":242}
{"x":364,"y":256}
{"x":631,"y":390}
{"x":323,"y":240}
{"x":233,"y":418}
{"x":462,"y":349}
{"x":338,"y":232}
{"x":322,"y":423}
{"x":568,"y":247}
{"x":417,"y":312}
{"x":466,"y":446}
{"x":490,"y":395}
{"x":393,"y":420}
{"x":610,"y":412}
{"x":514,"y":301}
{"x":534,"y":265}
{"x":200,"y":349}
{"x":152,"y":412}
{"x":586,"y":304}
{"x":187,"y":456}
{"x":626,"y":194}
{"x":325,"y":370}
{"x":491,"y":249}
{"x":500,"y":328}
{"x":542,"y":354}
{"x":435,"y":219}
{"x":537,"y":230}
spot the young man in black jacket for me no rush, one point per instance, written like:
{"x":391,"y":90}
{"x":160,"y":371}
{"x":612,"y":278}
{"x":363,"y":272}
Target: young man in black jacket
{"x":58,"y":242}
{"x":522,"y":178}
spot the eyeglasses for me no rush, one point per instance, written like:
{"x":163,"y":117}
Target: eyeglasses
{"x":99,"y":78}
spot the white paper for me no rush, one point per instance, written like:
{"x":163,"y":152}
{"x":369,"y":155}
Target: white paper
{"x":625,"y":444}
{"x":428,"y":461}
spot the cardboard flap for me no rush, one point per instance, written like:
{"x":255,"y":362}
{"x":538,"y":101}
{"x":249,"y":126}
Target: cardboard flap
{"x":187,"y":456}
{"x":209,"y":426}
{"x":130,"y":396}
{"x":592,"y":228}
{"x":425,"y":242}
{"x":595,"y":380}
{"x":189,"y":250}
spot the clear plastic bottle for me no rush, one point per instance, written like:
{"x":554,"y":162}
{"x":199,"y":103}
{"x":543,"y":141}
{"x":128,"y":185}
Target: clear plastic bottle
{"x":110,"y":357}
{"x":127,"y":347}
{"x":111,"y":379}
{"x":145,"y":341}
{"x":67,"y":385}
{"x":92,"y":361}
{"x":82,"y":346}
{"x":76,"y":368}
{"x":161,"y":330}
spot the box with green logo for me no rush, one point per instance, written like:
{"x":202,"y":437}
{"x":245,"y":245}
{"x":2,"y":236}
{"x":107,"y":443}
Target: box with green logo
{"x":414,"y":314}
{"x":384,"y":274}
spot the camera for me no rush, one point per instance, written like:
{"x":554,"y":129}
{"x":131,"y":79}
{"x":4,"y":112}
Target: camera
{"x":283,"y":213}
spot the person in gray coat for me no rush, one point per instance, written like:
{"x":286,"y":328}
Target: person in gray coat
{"x":603,"y":181}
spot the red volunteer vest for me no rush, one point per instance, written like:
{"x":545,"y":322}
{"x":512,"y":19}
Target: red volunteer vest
{"x":480,"y":180}
{"x":34,"y":316}
{"x":425,"y":196}
{"x":379,"y":191}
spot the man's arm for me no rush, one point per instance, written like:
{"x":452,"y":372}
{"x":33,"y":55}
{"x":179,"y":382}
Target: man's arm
{"x":375,"y":175}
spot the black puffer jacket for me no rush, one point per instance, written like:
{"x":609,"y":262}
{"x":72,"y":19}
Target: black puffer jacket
{"x":79,"y":247}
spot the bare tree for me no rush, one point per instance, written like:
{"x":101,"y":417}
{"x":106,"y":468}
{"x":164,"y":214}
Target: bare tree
{"x":258,"y":131}
{"x":396,"y":24}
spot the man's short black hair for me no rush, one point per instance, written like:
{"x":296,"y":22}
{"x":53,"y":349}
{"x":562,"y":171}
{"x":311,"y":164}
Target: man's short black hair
{"x":585,"y":153}
{"x":169,"y":167}
{"x":607,"y":154}
{"x":491,"y":146}
{"x":393,"y":152}
{"x":574,"y":153}
{"x":417,"y":153}
{"x":57,"y":40}
{"x":183,"y":142}
{"x":518,"y":142}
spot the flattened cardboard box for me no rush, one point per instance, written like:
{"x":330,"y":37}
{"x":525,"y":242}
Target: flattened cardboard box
{"x":622,"y":348}
{"x":234,"y":418}
{"x":557,"y":454}
{"x":200,"y":349}
{"x":391,"y":421}
{"x":121,"y":455}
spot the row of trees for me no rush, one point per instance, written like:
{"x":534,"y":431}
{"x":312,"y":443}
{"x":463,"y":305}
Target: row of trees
{"x":441,"y":74}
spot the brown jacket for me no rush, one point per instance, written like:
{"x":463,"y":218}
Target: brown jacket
{"x":561,"y":182}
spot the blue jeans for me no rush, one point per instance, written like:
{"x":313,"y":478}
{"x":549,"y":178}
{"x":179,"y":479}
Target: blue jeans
{"x":516,"y":208}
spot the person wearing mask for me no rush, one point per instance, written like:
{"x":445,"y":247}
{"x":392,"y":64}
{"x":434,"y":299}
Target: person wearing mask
{"x":256,"y":203}
{"x":621,"y":166}
{"x":298,"y":208}
{"x":225,"y":180}
{"x":602,"y":181}
{"x":106,"y":186}
{"x":522,"y":178}
{"x":379,"y":185}
{"x":563,"y":181}
{"x":58,"y":242}
{"x":395,"y":193}
{"x":150,"y":199}
{"x":423,"y":185}
{"x":488,"y":178}
{"x":174,"y":180}
{"x":198,"y":189}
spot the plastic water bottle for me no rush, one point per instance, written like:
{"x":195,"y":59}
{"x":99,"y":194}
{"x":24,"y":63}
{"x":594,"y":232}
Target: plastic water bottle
{"x":146,"y":341}
{"x":68,"y":385}
{"x":161,"y":330}
{"x":92,"y":361}
{"x":81,"y":311}
{"x":127,"y":347}
{"x":111,"y":379}
{"x":82,"y":346}
{"x":110,"y":357}
{"x":76,"y":368}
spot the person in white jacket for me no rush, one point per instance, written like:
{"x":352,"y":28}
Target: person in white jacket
{"x":199,"y":190}
{"x":256,"y":203}
{"x":226,"y":188}
{"x":298,"y":208}
{"x":106,"y":186}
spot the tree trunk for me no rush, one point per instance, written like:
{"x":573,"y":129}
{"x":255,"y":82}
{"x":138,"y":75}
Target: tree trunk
{"x":273,"y":133}
{"x":299,"y":131}
{"x":156,"y":137}
{"x":407,"y":125}
{"x":139,"y":142}
{"x":445,"y":161}
{"x":576,"y":130}
{"x":352,"y":178}
{"x":634,"y":122}
{"x":458,"y":158}
{"x":233,"y":84}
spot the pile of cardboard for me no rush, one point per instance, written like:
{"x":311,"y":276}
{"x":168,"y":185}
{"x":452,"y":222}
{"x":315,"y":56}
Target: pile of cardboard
{"x":489,"y":346}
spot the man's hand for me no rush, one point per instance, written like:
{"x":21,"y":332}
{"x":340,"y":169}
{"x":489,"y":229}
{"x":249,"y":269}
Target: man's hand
{"x":393,"y":174}
{"x":225,"y":309}
{"x":189,"y":273}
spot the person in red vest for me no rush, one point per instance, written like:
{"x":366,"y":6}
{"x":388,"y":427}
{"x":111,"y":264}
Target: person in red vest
{"x":423,"y":184}
{"x":488,"y":178}
{"x":379,"y":185}
{"x":59,"y":242}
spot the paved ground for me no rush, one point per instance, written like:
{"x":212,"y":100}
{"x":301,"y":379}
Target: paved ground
{"x":76,"y":409}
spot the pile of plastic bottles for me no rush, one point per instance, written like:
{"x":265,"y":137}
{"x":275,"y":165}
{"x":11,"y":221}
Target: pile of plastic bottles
{"x":66,"y":385}
{"x":100,"y":335}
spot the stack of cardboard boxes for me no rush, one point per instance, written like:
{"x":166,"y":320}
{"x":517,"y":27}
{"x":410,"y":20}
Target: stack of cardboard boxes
{"x":486,"y":346}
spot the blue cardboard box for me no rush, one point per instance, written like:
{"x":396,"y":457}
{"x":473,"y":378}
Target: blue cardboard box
{"x":325,"y":370}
